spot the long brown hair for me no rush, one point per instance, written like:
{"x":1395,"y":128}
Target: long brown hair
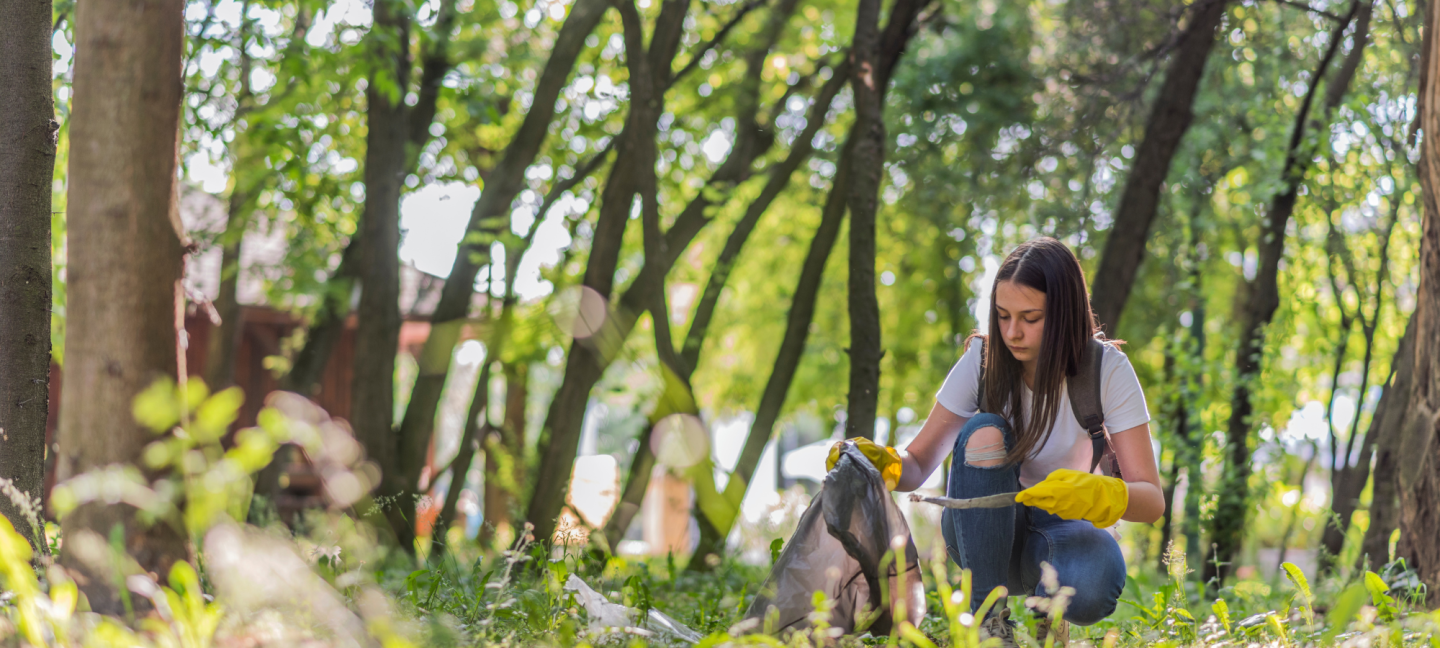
{"x":1046,"y":265}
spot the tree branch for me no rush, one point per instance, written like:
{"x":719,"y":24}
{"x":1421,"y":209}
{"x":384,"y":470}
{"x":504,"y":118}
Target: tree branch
{"x":715,"y":41}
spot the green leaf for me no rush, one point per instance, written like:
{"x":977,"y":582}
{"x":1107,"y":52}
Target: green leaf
{"x":1222,"y":612}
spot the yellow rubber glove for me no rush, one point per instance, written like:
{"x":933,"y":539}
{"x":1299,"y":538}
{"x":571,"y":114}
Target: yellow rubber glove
{"x":886,"y":460}
{"x":1076,"y":495}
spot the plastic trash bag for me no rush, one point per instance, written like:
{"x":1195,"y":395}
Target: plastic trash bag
{"x":608,"y":617}
{"x":838,"y":549}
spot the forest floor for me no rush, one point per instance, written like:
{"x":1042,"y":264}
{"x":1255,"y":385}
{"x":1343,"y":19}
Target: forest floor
{"x":507,"y":600}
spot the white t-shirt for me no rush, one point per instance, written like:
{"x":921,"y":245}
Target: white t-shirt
{"x":1121,"y":399}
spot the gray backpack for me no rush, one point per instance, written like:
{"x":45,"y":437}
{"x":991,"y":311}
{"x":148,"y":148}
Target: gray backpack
{"x":1084,"y":391}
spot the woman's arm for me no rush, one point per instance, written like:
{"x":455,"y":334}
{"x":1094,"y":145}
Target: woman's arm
{"x":928,"y":449}
{"x":1142,"y":476}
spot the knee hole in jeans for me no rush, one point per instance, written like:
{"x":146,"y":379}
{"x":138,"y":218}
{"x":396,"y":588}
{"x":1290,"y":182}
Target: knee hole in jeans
{"x":985,"y":448}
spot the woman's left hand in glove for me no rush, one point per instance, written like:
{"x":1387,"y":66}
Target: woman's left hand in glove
{"x":1075,"y":495}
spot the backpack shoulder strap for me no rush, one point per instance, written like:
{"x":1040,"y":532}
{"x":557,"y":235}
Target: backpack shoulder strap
{"x":1084,"y":390}
{"x":980,"y":380}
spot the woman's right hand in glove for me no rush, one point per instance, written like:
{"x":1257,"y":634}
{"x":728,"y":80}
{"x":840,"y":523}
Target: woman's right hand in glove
{"x":885,"y":459}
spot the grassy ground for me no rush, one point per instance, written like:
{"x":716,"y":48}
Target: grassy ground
{"x":506,"y":601}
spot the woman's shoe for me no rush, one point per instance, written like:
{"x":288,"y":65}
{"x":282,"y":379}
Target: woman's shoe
{"x":997,"y":626}
{"x":1061,"y":632}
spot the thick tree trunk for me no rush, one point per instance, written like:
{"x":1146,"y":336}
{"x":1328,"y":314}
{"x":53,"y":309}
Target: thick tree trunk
{"x":377,"y":338}
{"x":488,"y":220}
{"x":868,"y":165}
{"x":1262,"y":300}
{"x":1385,"y":430}
{"x":1169,"y":118}
{"x":126,"y":254}
{"x":1419,"y":465}
{"x":27,"y":167}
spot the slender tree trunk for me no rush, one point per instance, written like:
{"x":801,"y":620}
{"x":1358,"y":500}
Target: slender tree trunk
{"x":1350,"y":478}
{"x":1259,"y":308}
{"x":754,"y":142}
{"x":27,"y":167}
{"x":868,"y":138}
{"x":792,"y":346}
{"x":477,"y":428}
{"x":1419,"y":465}
{"x":225,"y":339}
{"x":1169,"y":119}
{"x":329,"y":324}
{"x":505,"y":454}
{"x":589,"y":356}
{"x":377,"y":339}
{"x":1385,"y":429}
{"x":489,"y":219}
{"x":901,"y":26}
{"x":1192,"y":439}
{"x":126,"y":254}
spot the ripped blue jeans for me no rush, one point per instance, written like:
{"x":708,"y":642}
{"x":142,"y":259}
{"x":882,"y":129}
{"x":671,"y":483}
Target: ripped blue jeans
{"x":1005,"y":546}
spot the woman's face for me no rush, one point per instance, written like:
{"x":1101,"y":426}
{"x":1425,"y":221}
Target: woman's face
{"x":1020,"y":311}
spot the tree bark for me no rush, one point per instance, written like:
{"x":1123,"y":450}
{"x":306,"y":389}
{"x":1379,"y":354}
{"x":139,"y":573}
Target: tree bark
{"x":377,"y":338}
{"x":1385,"y":429}
{"x":867,"y":167}
{"x":1169,"y":119}
{"x":1263,"y":298}
{"x":1418,"y":465}
{"x":27,"y":168}
{"x":489,"y":219}
{"x":126,"y":252}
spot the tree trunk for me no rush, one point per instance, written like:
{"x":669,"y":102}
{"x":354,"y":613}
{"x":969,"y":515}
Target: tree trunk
{"x":329,"y":324}
{"x":126,"y":254}
{"x":505,"y":455}
{"x":1169,"y":118}
{"x":753,"y":142}
{"x":377,"y":339}
{"x":27,"y":167}
{"x":589,"y":356}
{"x":868,"y":165}
{"x":488,"y":220}
{"x":225,"y":339}
{"x":1385,"y":429}
{"x":1262,"y":300}
{"x":477,"y":430}
{"x":901,"y":26}
{"x":1419,"y":467}
{"x":1192,"y":375}
{"x":1349,"y":479}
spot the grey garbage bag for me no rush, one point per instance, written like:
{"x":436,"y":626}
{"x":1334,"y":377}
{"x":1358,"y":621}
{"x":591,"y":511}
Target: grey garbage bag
{"x":838,"y":549}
